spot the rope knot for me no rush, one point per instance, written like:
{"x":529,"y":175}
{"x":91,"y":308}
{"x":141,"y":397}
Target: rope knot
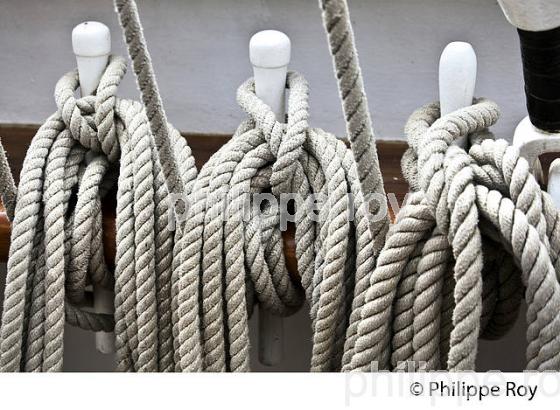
{"x":91,"y":119}
{"x":285,"y":140}
{"x":429,"y":136}
{"x":433,"y":144}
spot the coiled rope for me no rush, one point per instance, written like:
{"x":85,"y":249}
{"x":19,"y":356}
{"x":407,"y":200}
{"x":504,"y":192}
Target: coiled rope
{"x":476,"y":229}
{"x":56,"y":239}
{"x":224,"y":258}
{"x":429,"y":298}
{"x":182,"y":300}
{"x":470,"y":209}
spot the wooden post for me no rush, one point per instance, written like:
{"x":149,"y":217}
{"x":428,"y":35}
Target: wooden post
{"x":457,"y":78}
{"x":269,"y":52}
{"x":91,"y":42}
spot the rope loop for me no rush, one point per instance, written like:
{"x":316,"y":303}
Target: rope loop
{"x":57,"y":232}
{"x":434,"y":146}
{"x":91,"y":119}
{"x":477,"y":234}
{"x":285,"y":140}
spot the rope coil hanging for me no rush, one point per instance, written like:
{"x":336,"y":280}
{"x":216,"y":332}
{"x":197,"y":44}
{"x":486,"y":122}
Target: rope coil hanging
{"x":159,"y":321}
{"x":449,"y":201}
{"x":476,"y":229}
{"x":56,"y":240}
{"x":416,"y":287}
{"x":333,"y":257}
{"x":469,"y":208}
{"x":260,"y":151}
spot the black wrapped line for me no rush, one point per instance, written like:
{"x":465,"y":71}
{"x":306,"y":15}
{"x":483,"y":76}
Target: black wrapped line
{"x":540,"y":53}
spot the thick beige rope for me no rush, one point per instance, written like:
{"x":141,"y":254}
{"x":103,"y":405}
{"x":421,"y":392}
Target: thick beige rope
{"x":223,"y":258}
{"x":183,"y":299}
{"x":411,"y":285}
{"x":57,"y":239}
{"x":9,"y":189}
{"x":166,"y":317}
{"x":465,"y":200}
{"x":340,"y":36}
{"x":436,"y":246}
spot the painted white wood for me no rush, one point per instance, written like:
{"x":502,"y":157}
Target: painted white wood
{"x":532,"y":15}
{"x":457,"y":79}
{"x":269,"y":52}
{"x":554,"y":182}
{"x":103,"y":302}
{"x":91,"y":42}
{"x":533,"y":142}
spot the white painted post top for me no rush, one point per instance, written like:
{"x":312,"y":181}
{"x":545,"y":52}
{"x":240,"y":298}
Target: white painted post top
{"x":91,"y":42}
{"x":91,"y":39}
{"x":457,"y":78}
{"x":270,"y":49}
{"x":532,"y":15}
{"x":269,"y":52}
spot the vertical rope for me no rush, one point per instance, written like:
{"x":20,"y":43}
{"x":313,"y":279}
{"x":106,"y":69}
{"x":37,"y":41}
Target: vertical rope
{"x":9,"y":189}
{"x":147,"y":84}
{"x":336,"y":20}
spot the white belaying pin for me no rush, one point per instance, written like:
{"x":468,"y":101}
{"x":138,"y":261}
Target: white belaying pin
{"x":457,"y":78}
{"x":91,"y":42}
{"x":269,"y":51}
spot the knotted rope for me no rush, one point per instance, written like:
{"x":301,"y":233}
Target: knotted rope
{"x":470,"y":209}
{"x":223,"y":257}
{"x":476,"y":229}
{"x":56,"y":239}
{"x":182,"y":300}
{"x":449,"y":270}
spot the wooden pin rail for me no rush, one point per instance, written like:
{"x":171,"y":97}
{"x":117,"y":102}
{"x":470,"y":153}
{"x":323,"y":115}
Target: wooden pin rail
{"x":16,"y":139}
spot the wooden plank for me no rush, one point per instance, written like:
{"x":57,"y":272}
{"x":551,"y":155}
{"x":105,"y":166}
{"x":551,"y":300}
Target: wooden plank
{"x":16,"y":139}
